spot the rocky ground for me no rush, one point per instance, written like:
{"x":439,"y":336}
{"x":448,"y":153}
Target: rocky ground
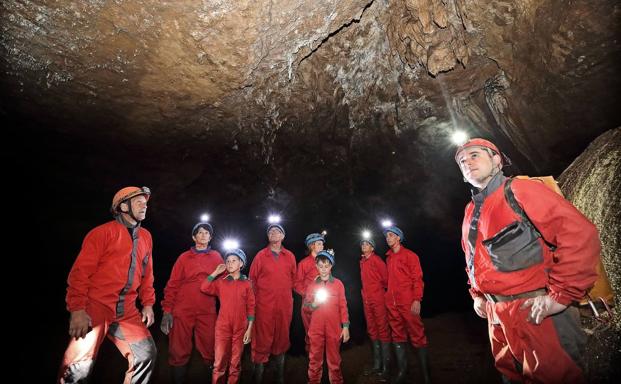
{"x":458,"y":349}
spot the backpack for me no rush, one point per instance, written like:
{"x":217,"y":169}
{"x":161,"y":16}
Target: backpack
{"x":601,"y":291}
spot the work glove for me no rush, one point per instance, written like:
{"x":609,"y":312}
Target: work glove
{"x":479,"y":307}
{"x":542,"y":307}
{"x":167,"y":322}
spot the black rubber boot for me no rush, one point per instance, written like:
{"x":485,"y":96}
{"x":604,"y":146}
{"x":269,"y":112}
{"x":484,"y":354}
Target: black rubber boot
{"x":377,"y":359}
{"x":178,"y":374}
{"x":424,"y":364}
{"x":209,"y":369}
{"x":258,"y":373}
{"x":402,"y":362}
{"x":280,"y":368}
{"x":384,"y":374}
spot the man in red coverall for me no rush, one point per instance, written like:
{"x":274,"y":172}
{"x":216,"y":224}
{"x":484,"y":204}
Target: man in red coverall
{"x":374,"y":278}
{"x":403,"y":301}
{"x":521,"y":285}
{"x":189,"y":314}
{"x":329,"y":321}
{"x":272,"y":273}
{"x":306,"y":274}
{"x":113,"y":268}
{"x":234,"y":325}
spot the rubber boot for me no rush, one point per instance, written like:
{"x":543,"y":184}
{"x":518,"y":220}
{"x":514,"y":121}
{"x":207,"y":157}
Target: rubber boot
{"x":384,"y":374}
{"x":208,"y":368}
{"x":280,"y":368}
{"x":402,"y":362}
{"x":178,"y":374}
{"x":258,"y":373}
{"x":424,"y":364}
{"x":377,"y":359}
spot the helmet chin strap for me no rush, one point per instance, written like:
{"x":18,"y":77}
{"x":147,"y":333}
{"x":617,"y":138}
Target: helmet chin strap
{"x":130,"y":211}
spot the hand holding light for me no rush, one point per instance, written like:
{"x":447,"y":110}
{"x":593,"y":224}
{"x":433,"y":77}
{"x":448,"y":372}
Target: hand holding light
{"x":321,"y":296}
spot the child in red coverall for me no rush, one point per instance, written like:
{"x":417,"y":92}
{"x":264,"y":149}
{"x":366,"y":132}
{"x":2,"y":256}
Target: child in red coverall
{"x":234,"y":323}
{"x":329,"y":322}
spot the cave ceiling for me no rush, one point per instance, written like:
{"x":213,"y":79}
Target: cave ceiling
{"x":350,"y":92}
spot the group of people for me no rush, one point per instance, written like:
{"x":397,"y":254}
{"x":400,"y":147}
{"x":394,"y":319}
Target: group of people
{"x":529,"y":255}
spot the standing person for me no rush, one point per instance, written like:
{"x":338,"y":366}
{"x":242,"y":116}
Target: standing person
{"x":374,"y":278}
{"x":326,"y":304}
{"x":234,"y":324}
{"x":523,"y":279}
{"x":306,"y":274}
{"x":189,"y":314}
{"x":113,"y":268}
{"x":403,"y":301}
{"x":272,"y":273}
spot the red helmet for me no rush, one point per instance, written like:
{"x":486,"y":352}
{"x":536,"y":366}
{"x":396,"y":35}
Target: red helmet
{"x":126,"y":194}
{"x":478,"y":142}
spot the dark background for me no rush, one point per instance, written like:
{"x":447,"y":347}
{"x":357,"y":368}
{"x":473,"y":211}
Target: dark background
{"x":64,"y":186}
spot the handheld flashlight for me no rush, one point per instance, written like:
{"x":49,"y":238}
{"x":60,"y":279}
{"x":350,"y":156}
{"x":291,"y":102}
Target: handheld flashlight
{"x":321,"y":295}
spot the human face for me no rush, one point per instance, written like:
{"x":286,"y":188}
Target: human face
{"x":138,"y":206}
{"x":202,"y":238}
{"x":477,"y":165}
{"x":316,"y":247}
{"x":366,"y":247}
{"x":274,"y":235}
{"x":392,"y":240}
{"x":324,"y":268}
{"x":233,"y":264}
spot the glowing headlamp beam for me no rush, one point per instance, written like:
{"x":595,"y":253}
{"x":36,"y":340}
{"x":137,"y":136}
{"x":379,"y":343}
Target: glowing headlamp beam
{"x":459,"y":137}
{"x":229,"y":244}
{"x":273,"y":219}
{"x":321,"y":295}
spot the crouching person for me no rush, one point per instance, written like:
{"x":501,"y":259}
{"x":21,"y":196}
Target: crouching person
{"x":234,"y":323}
{"x":329,"y":322}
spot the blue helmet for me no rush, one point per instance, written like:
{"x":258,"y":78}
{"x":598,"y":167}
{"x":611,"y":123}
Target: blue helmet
{"x":203,"y":224}
{"x":276,"y":225}
{"x":312,"y":238}
{"x":370,"y":241}
{"x":327,"y":255}
{"x":236,"y":252}
{"x":394,"y":230}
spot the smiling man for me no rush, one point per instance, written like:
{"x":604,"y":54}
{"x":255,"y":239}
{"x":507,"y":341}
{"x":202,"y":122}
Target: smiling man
{"x":113,"y":269}
{"x":530,"y":255}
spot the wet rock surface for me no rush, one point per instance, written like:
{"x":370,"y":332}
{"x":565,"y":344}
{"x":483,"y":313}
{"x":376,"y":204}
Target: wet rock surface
{"x":538,"y":75}
{"x":592,"y":183}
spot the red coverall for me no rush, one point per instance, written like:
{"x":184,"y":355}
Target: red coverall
{"x":324,"y":330}
{"x":405,"y":284}
{"x":547,"y":352}
{"x":305,"y":275}
{"x":236,"y":310}
{"x":272,"y":277}
{"x":194,"y":314}
{"x":110,"y":272}
{"x":374,"y":277}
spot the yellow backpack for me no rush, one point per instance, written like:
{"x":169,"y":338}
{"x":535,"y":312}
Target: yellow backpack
{"x":601,"y":291}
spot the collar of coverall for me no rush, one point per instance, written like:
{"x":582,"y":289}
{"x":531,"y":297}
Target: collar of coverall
{"x":241,"y":277}
{"x":496,"y":181}
{"x":330,"y":279}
